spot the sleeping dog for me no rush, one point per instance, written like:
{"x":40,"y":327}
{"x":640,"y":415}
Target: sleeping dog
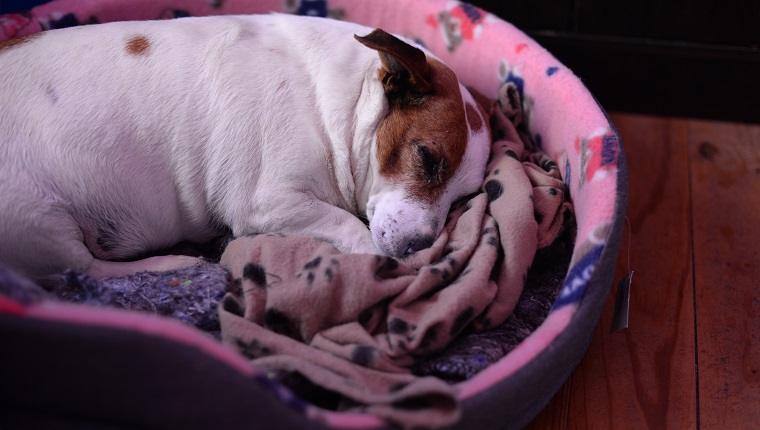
{"x":120,"y":139}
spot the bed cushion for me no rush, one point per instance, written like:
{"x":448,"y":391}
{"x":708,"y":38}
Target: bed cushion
{"x":81,"y":366}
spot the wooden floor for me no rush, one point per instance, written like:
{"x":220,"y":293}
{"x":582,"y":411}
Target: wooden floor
{"x":691,"y":355}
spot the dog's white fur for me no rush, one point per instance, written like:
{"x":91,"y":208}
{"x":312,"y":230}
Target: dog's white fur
{"x":123,"y":138}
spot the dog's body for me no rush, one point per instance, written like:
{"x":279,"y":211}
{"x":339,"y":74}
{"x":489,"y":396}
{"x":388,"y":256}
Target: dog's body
{"x":123,"y":138}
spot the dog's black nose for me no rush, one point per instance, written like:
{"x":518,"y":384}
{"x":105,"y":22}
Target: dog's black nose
{"x":417,"y":244}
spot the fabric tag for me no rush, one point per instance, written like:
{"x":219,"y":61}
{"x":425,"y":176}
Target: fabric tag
{"x":622,"y":304}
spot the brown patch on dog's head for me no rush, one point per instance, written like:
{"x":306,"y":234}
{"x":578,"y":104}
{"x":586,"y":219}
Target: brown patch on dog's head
{"x":137,"y":45}
{"x":10,"y":43}
{"x":422,"y":140}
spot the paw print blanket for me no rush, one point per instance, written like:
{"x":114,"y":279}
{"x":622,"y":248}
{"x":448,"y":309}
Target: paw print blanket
{"x":353,"y":325}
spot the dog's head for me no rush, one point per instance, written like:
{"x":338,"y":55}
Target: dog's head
{"x":432,"y":147}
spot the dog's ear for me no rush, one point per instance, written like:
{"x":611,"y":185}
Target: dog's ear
{"x":405,"y":73}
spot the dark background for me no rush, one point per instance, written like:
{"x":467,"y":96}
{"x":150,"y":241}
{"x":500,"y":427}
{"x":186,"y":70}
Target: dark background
{"x":10,"y":6}
{"x":692,"y":58}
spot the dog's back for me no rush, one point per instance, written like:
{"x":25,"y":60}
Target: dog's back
{"x":125,"y":137}
{"x":79,"y":155}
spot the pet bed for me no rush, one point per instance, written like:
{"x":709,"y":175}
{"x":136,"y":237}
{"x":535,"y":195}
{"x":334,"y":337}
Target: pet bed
{"x":463,"y":335}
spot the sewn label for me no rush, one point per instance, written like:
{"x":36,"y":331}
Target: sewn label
{"x":622,"y":304}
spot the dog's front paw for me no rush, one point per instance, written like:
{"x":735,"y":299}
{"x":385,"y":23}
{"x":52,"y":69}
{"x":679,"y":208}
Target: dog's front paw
{"x":366,"y":248}
{"x":358,"y":244}
{"x":166,"y":263}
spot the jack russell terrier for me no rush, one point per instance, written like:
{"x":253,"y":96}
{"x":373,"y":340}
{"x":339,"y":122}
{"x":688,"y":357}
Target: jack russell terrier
{"x":124,"y":138}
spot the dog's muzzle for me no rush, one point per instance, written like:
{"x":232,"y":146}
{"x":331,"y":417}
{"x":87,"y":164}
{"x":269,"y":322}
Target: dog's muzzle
{"x":395,"y":243}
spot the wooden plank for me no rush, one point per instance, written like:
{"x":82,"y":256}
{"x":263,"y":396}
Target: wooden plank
{"x":644,"y":377}
{"x":725,"y":182}
{"x":554,"y":416}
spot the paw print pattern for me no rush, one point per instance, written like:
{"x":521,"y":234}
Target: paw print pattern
{"x":314,"y":268}
{"x":363,"y":355}
{"x":461,"y":321}
{"x":494,"y":189}
{"x":256,"y":275}
{"x":491,"y":235}
{"x":252,"y":349}
{"x":397,"y":325}
{"x":386,"y":267}
{"x":232,"y":306}
{"x":281,"y":323}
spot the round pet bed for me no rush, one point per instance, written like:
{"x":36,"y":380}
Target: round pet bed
{"x":130,"y":370}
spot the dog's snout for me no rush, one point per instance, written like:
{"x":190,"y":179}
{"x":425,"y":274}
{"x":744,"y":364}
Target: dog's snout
{"x":401,"y":227}
{"x":416,"y":244}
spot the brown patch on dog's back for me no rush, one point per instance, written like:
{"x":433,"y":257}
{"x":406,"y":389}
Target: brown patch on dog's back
{"x":10,"y":43}
{"x":137,"y":45}
{"x":438,"y":124}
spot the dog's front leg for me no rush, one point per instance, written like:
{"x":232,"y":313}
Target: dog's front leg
{"x":100,"y":269}
{"x":341,"y":228}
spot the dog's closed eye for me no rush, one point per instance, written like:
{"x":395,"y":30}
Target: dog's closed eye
{"x":432,"y":167}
